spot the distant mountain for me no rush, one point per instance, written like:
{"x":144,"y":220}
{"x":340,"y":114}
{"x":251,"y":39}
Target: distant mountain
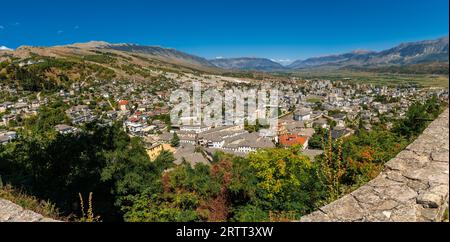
{"x":166,"y":54}
{"x":403,"y":54}
{"x":105,"y":61}
{"x":353,"y":58}
{"x":414,"y":52}
{"x":424,"y":54}
{"x":417,"y":57}
{"x":247,"y":63}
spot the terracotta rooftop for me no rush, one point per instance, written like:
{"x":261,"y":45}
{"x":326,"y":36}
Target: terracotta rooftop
{"x":292,"y":139}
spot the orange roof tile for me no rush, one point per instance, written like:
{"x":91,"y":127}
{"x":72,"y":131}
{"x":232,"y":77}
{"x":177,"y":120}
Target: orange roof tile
{"x":123,"y":102}
{"x":292,"y":139}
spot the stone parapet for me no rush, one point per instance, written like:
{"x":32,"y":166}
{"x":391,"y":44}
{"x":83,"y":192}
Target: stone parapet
{"x":412,"y":187}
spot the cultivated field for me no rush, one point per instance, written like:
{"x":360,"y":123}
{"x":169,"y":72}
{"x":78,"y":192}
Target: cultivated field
{"x":389,"y":79}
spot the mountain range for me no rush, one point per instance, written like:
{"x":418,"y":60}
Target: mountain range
{"x":405,"y":54}
{"x":248,"y":63}
{"x":156,"y":51}
{"x":427,"y":51}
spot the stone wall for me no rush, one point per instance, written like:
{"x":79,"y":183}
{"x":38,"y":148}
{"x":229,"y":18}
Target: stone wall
{"x":412,"y":187}
{"x":10,"y":212}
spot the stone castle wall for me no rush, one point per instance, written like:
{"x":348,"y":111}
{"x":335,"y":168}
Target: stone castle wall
{"x":412,"y":187}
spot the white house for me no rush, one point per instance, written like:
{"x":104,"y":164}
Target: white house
{"x":303,"y":114}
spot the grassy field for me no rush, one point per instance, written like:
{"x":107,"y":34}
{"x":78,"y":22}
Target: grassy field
{"x":313,"y":100}
{"x":425,"y":80}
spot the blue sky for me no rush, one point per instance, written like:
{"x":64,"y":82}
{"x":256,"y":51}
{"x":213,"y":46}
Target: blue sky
{"x":277,"y":29}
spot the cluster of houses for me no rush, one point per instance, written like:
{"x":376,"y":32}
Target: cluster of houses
{"x":301,"y":127}
{"x":334,"y":107}
{"x":294,"y":128}
{"x":7,"y":136}
{"x":80,"y":114}
{"x":10,"y":111}
{"x":137,"y":122}
{"x":142,"y":122}
{"x":232,"y":139}
{"x":66,"y":129}
{"x":354,"y":102}
{"x":305,"y":105}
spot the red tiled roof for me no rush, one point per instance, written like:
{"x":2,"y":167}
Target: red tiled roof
{"x":292,"y":139}
{"x":123,"y":102}
{"x":133,"y":119}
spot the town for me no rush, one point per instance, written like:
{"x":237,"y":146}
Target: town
{"x":305,"y":107}
{"x":215,"y":112}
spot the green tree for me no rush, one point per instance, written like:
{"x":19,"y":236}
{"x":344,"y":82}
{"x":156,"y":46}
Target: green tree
{"x":175,"y":142}
{"x":316,"y":140}
{"x":418,"y":117}
{"x":286,"y":180}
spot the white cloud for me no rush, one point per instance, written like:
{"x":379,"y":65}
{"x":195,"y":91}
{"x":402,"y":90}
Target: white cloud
{"x":60,"y":32}
{"x":219,"y":57}
{"x":4,"y":48}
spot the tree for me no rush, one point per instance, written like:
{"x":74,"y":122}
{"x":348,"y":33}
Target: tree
{"x":276,"y":172}
{"x":250,"y":213}
{"x":101,"y":160}
{"x":286,"y":180}
{"x":417,"y":118}
{"x":316,"y":140}
{"x":332,"y":168}
{"x":175,"y":142}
